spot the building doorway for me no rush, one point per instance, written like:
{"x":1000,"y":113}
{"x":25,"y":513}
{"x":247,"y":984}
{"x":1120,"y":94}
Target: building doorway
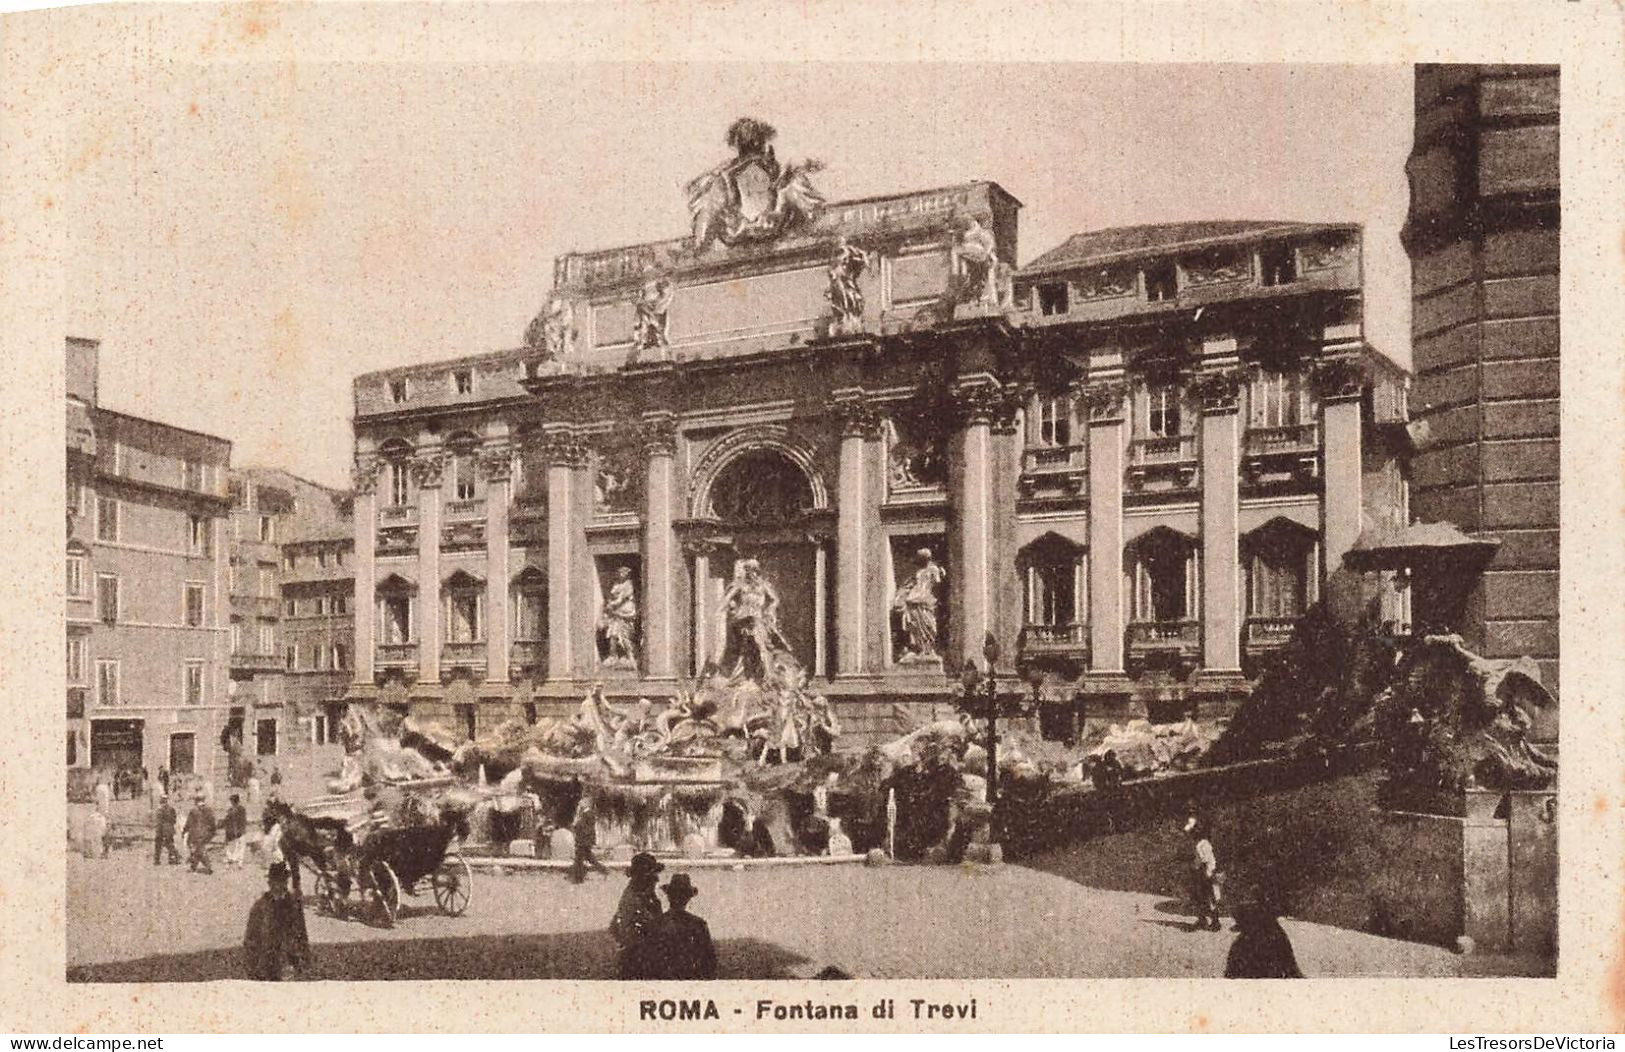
{"x":265,"y":738}
{"x":182,"y":754}
{"x":116,"y":744}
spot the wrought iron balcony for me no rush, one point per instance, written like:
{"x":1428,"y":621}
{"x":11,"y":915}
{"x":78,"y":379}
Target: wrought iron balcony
{"x":397,"y":540}
{"x":527,"y":656}
{"x":255,"y":662}
{"x":1286,"y":439}
{"x":1067,"y":640}
{"x":396,"y":655}
{"x":462,"y":655}
{"x":1269,"y":633}
{"x":1162,"y":463}
{"x":1165,"y":643}
{"x":464,"y":510}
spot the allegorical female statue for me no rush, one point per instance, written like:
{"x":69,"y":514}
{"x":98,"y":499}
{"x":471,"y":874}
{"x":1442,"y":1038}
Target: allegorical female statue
{"x":916,"y":605}
{"x":844,"y":295}
{"x":618,"y":622}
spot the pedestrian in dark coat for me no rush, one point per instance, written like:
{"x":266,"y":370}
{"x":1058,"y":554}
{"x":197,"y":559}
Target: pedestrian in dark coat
{"x":635,"y":917}
{"x":163,"y":779}
{"x":234,"y":829}
{"x":585,"y":831}
{"x":1261,"y":949}
{"x":164,"y":833}
{"x":680,"y":944}
{"x":276,"y":941}
{"x":200,"y":829}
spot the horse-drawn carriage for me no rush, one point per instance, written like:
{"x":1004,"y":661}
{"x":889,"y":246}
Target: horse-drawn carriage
{"x":371,"y":874}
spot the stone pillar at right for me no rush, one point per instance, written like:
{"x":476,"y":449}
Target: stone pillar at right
{"x":1483,"y":234}
{"x":365,"y":518}
{"x":1105,"y":402}
{"x":1221,"y":459}
{"x":562,"y":454}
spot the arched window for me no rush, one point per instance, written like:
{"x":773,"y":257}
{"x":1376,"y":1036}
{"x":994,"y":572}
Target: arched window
{"x":1054,"y":575}
{"x":1163,"y":565}
{"x":1279,"y":559}
{"x":396,"y":455}
{"x":464,"y":599}
{"x":463,"y":466}
{"x":761,"y":487}
{"x":395,"y":598}
{"x":530,"y":605}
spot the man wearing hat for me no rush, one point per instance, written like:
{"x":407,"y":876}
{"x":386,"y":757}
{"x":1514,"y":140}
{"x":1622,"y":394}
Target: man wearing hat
{"x":635,"y":918}
{"x":164,"y":832}
{"x":276,"y":940}
{"x":680,"y":944}
{"x":199,"y":830}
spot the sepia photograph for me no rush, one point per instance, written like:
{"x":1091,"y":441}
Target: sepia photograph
{"x":662,"y":519}
{"x":751,"y":529}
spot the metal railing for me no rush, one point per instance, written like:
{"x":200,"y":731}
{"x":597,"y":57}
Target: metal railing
{"x":397,"y":654}
{"x":1176,"y":449}
{"x":1287,"y":438}
{"x":1041,"y":459}
{"x":1180,"y":635}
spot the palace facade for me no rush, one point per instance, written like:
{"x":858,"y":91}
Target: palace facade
{"x":1133,"y":463}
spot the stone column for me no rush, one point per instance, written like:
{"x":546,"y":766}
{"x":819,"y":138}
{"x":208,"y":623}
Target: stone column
{"x":497,"y":465}
{"x":1221,"y":555}
{"x":427,"y":471}
{"x":1338,"y":383}
{"x":562,"y":454}
{"x":970,"y":523}
{"x":1005,"y":588}
{"x":858,"y":423}
{"x":701,"y":614}
{"x":365,"y":611}
{"x":1106,"y":402}
{"x":659,"y":567}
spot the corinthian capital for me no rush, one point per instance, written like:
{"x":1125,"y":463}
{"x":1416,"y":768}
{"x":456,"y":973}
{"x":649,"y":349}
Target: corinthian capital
{"x":858,"y":416}
{"x":427,"y":469}
{"x":658,"y":432}
{"x":1104,"y":399}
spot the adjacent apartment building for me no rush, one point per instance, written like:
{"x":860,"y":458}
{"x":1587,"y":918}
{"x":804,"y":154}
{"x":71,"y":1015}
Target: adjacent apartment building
{"x":147,"y":637}
{"x":288,"y":636}
{"x":1133,"y":463}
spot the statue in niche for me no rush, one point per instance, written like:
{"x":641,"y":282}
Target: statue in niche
{"x":653,"y":307}
{"x":912,"y":464}
{"x":916,"y":605}
{"x":618,"y":623}
{"x":750,"y":615}
{"x":844,"y":295}
{"x":978,"y":254}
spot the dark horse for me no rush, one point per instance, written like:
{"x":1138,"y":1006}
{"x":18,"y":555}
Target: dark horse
{"x":307,"y":838}
{"x":414,"y":852}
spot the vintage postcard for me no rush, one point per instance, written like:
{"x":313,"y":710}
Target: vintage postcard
{"x":752,"y":518}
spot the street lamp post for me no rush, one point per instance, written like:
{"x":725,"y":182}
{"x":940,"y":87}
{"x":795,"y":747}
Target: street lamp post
{"x":980,"y":700}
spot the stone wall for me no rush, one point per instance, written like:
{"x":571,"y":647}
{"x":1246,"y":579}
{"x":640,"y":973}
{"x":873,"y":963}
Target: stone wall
{"x":1483,"y":239}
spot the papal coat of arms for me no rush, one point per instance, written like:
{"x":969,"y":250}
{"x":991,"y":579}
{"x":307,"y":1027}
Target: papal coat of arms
{"x":751,"y":197}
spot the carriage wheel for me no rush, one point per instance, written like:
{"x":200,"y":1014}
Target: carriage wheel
{"x":453,"y":885}
{"x":328,"y":901}
{"x":386,"y":892}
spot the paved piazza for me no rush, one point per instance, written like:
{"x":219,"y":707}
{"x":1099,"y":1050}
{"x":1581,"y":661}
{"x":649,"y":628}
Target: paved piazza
{"x":131,"y":922}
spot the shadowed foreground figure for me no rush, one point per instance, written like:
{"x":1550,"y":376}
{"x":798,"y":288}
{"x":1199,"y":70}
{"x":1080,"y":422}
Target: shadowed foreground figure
{"x":635,"y":918}
{"x":680,"y":944}
{"x":1261,"y":949}
{"x":276,"y":941}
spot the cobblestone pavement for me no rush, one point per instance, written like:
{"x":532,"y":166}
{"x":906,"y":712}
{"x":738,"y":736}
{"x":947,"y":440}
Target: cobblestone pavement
{"x":131,"y":921}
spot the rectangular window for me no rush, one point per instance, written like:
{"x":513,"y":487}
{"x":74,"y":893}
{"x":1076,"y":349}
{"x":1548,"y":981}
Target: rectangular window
{"x":532,"y":615}
{"x":193,"y":678}
{"x":288,"y":562}
{"x":1161,"y":283}
{"x":1162,"y":411}
{"x":341,"y":656}
{"x":321,"y":557}
{"x":118,"y":458}
{"x":76,"y":660}
{"x":399,"y":484}
{"x":197,"y":534}
{"x":290,"y":608}
{"x":1274,"y":400}
{"x":463,"y":467}
{"x":1055,"y":422}
{"x":76,"y":575}
{"x":397,"y":619}
{"x":463,"y":620}
{"x":267,"y":640}
{"x":1278,"y":265}
{"x":1277,"y":584}
{"x":462,"y":381}
{"x":339,"y":604}
{"x":192,"y":475}
{"x":267,"y":529}
{"x":107,"y":692}
{"x":107,"y":597}
{"x":106,"y":519}
{"x":267,"y":582}
{"x":293,"y":656}
{"x":236,"y":637}
{"x":1052,"y":298}
{"x":194,"y":604}
{"x":321,"y":605}
{"x":399,"y":391}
